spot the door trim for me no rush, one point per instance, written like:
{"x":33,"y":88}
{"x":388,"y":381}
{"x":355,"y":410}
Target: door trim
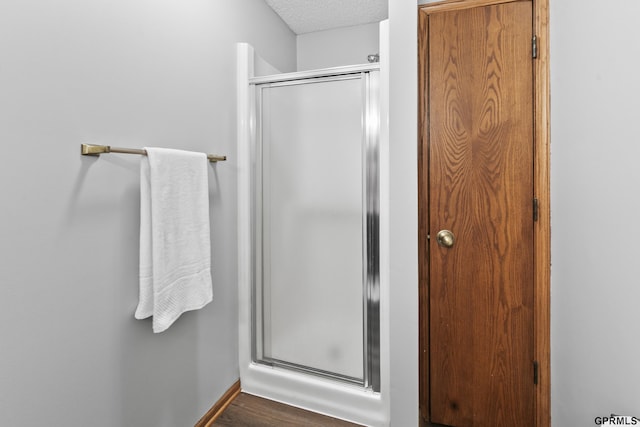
{"x":542,"y":227}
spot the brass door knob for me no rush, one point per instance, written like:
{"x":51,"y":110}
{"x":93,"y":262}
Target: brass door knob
{"x":446,"y":238}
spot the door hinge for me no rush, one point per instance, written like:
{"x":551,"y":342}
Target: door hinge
{"x":534,"y":46}
{"x":536,"y":209}
{"x":535,"y":372}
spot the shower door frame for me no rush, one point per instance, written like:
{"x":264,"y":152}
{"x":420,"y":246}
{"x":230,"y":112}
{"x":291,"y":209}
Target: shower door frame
{"x":369,"y":76}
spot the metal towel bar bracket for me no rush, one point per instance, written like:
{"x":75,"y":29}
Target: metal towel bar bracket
{"x":96,"y":150}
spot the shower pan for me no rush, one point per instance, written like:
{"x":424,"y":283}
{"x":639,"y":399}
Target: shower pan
{"x":309,"y":238}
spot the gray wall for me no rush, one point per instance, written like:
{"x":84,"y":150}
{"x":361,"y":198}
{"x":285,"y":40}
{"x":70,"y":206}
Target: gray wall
{"x":337,"y":47}
{"x":125,"y":73}
{"x":595,"y":187}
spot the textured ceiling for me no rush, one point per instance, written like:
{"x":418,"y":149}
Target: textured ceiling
{"x":306,"y":16}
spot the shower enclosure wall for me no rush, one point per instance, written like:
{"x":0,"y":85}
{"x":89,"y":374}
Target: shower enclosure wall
{"x":313,"y":265}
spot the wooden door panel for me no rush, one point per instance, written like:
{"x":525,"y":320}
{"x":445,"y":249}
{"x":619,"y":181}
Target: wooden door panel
{"x":480,"y":145}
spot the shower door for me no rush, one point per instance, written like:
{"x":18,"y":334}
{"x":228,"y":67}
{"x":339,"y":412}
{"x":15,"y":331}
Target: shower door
{"x":315,"y":296}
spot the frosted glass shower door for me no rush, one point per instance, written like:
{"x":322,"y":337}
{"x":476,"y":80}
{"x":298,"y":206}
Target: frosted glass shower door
{"x":312,"y":226}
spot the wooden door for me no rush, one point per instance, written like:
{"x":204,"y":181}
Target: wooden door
{"x":477,"y":182}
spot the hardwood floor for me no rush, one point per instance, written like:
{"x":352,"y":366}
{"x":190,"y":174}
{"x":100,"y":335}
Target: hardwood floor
{"x":251,"y":411}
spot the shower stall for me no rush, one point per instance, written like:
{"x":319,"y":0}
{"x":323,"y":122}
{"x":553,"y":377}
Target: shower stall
{"x":310,"y":191}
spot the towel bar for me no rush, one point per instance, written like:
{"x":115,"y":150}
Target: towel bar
{"x":96,"y":150}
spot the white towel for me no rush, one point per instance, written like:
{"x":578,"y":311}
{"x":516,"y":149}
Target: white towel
{"x":175,"y":245}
